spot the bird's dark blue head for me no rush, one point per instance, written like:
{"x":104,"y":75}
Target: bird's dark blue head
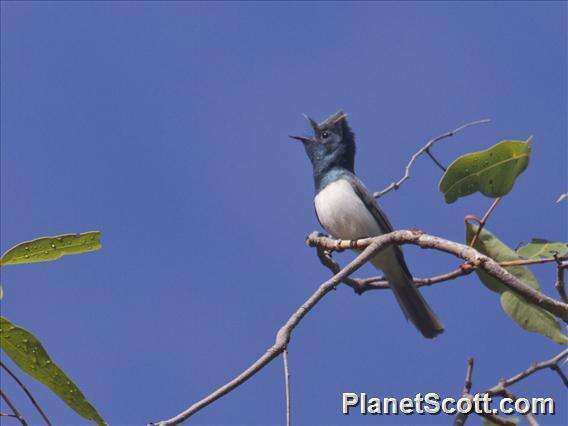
{"x":332,"y":148}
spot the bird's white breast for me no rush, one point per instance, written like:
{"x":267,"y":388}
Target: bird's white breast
{"x":342,"y":213}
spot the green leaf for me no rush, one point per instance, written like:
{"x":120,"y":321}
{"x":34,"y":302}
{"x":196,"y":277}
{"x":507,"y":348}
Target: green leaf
{"x":51,"y":248}
{"x":490,"y":245}
{"x":542,"y":249}
{"x":530,"y":317}
{"x":491,"y":172}
{"x":28,"y":353}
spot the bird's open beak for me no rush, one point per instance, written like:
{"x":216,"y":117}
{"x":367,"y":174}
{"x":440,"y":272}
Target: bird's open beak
{"x":301,"y":139}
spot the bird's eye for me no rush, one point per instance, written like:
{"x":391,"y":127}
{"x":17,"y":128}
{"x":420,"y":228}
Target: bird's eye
{"x":325,"y":134}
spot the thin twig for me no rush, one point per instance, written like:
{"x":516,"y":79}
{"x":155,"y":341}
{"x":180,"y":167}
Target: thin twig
{"x":27,"y":392}
{"x":287,"y":383}
{"x":461,"y":418}
{"x":560,"y":286}
{"x":362,"y":285}
{"x":468,"y":383}
{"x":520,"y":262}
{"x":7,"y":415}
{"x":484,"y":220}
{"x":425,"y":150}
{"x":551,"y":363}
{"x":13,"y":408}
{"x":556,"y":368}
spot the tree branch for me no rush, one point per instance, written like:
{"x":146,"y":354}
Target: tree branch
{"x":27,"y":392}
{"x":560,"y":267}
{"x":469,"y":254}
{"x":468,"y":382}
{"x":551,"y":363}
{"x":362,"y":285}
{"x":501,"y":388}
{"x":466,"y":391}
{"x":369,"y":247}
{"x":282,"y":337}
{"x":426,"y":150}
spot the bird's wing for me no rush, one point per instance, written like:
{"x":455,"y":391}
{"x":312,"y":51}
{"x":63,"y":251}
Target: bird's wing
{"x":378,"y":214}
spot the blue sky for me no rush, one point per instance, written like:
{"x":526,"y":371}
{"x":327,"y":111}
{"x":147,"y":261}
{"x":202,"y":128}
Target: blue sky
{"x":165,"y":126}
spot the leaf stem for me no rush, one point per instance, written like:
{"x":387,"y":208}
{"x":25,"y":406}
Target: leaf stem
{"x":484,"y":220}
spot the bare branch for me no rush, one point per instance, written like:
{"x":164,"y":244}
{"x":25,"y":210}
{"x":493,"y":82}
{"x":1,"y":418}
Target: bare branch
{"x":362,"y":285}
{"x":551,"y":363}
{"x":287,"y":384}
{"x":426,"y":150}
{"x":7,"y":415}
{"x":469,"y":254}
{"x":556,"y":368}
{"x":484,"y":220}
{"x":466,"y":391}
{"x":560,"y":267}
{"x":502,"y":387}
{"x":282,"y":337}
{"x":27,"y":392}
{"x":369,"y":247}
{"x":520,"y":262}
{"x":13,"y":408}
{"x":468,"y":383}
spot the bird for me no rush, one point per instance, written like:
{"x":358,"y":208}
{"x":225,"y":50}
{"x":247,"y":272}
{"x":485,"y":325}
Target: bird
{"x":348,"y":211}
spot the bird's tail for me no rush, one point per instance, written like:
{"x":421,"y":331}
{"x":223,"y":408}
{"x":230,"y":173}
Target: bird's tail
{"x":411,"y":301}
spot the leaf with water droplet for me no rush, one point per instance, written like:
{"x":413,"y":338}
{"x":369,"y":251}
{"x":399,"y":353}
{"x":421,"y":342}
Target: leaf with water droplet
{"x":33,"y":359}
{"x":45,"y":249}
{"x":492,"y":172}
